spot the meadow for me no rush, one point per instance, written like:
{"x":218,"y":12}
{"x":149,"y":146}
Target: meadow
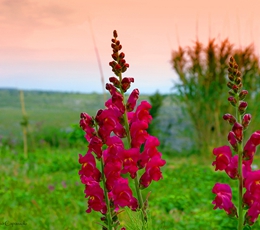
{"x":44,"y":191}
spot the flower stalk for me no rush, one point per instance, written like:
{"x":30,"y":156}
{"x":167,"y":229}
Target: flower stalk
{"x":108,"y":190}
{"x":238,"y":165}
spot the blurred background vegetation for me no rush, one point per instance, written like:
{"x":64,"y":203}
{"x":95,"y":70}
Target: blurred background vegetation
{"x":44,"y":189}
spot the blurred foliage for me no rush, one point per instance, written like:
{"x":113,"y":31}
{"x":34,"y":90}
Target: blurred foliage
{"x":156,"y":101}
{"x":202,"y":90}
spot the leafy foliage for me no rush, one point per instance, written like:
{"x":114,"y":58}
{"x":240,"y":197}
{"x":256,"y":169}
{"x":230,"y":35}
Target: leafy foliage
{"x":202,"y":73}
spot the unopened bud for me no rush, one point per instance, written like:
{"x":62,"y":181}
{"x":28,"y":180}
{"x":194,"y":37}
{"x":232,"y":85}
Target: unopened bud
{"x":231,"y":119}
{"x":233,"y":141}
{"x":246,"y":120}
{"x":232,"y":100}
{"x":235,"y":88}
{"x":231,"y":77}
{"x":230,"y":85}
{"x":242,"y":107}
{"x":243,"y":94}
{"x":238,"y":131}
{"x":115,"y":34}
{"x":122,"y":55}
{"x":115,"y":81}
{"x":238,"y":80}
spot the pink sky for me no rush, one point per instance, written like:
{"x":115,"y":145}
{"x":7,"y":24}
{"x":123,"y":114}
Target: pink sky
{"x":47,"y":44}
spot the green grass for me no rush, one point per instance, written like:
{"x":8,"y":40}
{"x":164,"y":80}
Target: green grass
{"x":46,"y":193}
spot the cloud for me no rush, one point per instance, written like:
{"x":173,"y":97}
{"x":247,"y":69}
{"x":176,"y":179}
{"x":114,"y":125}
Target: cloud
{"x":33,"y":14}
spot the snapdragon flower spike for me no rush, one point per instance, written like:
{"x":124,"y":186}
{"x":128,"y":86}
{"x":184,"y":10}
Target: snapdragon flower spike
{"x":105,"y":132}
{"x":223,"y":199}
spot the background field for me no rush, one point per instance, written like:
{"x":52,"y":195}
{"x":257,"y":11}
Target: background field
{"x":45,"y":191}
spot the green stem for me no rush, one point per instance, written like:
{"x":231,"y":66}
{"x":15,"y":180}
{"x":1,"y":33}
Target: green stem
{"x":136,"y":179}
{"x":240,"y":179}
{"x":108,"y":214}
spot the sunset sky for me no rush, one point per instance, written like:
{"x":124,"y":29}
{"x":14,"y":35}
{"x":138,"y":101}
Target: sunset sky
{"x":47,"y":44}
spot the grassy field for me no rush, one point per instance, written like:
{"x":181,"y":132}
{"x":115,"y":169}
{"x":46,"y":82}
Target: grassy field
{"x":44,"y":191}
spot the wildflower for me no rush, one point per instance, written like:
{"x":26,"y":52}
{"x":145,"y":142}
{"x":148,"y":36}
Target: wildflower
{"x":223,"y":157}
{"x":122,"y":195}
{"x":152,"y":171}
{"x":250,"y":146}
{"x":223,"y":198}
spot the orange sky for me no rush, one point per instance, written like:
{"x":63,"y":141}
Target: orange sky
{"x":47,"y":44}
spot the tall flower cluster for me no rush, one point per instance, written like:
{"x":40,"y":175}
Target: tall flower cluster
{"x":119,"y":141}
{"x":236,"y":159}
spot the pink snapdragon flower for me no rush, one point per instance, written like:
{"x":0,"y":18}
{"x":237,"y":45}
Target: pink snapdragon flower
{"x":223,"y":198}
{"x":250,"y":146}
{"x":152,"y":171}
{"x":252,"y":196}
{"x":122,"y":195}
{"x":223,"y":157}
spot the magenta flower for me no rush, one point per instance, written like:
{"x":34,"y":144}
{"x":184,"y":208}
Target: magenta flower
{"x":95,"y":194}
{"x":223,"y":198}
{"x":250,"y":146}
{"x":138,"y":133}
{"x":253,"y":213}
{"x":86,"y":123}
{"x":232,"y":168}
{"x":112,"y":170}
{"x":122,"y":195}
{"x":95,"y":145}
{"x":88,"y":167}
{"x":232,"y":140}
{"x":238,"y":131}
{"x":223,"y":156}
{"x":117,"y":97}
{"x":131,"y":102}
{"x":142,"y":112}
{"x":152,"y":171}
{"x":108,"y":121}
{"x":150,"y":150}
{"x":129,"y":158}
{"x":126,"y":82}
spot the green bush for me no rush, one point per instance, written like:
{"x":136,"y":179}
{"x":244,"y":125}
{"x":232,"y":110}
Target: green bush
{"x":202,"y":89}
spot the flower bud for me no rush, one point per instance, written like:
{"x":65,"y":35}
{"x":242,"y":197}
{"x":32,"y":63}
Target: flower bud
{"x":232,"y":140}
{"x":235,"y":88}
{"x":231,"y":77}
{"x":114,"y":56}
{"x":238,"y":131}
{"x":122,"y":55}
{"x":115,"y":34}
{"x":232,"y":100}
{"x":242,"y":107}
{"x":231,"y":119}
{"x":238,"y":80}
{"x":246,"y":120}
{"x":231,"y":92}
{"x":115,"y":81}
{"x":243,"y":94}
{"x":230,"y":85}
